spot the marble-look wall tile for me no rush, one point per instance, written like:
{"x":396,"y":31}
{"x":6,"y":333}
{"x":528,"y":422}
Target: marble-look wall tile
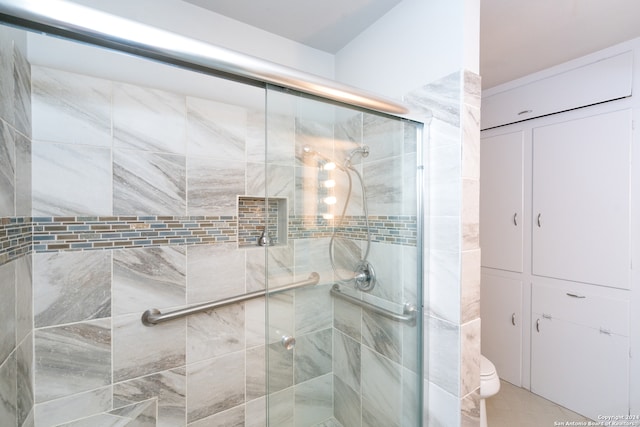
{"x":215,"y":272}
{"x":148,"y":119}
{"x":312,"y":255}
{"x":22,"y":92}
{"x":141,"y":350}
{"x":71,"y":180}
{"x":470,"y":410}
{"x":145,"y":278}
{"x":25,"y":377}
{"x":280,"y":368}
{"x":256,"y":372}
{"x":384,"y":137}
{"x":7,"y":170}
{"x":347,"y":360}
{"x":148,"y":183}
{"x":255,"y":268}
{"x":307,"y":198}
{"x":444,"y":174}
{"x":23,"y":176}
{"x":138,"y":415}
{"x":469,"y":357}
{"x":7,"y":310}
{"x":347,"y":403}
{"x":214,"y":185}
{"x":383,"y":182}
{"x":7,"y":83}
{"x":71,"y":108}
{"x":280,"y":316}
{"x":279,"y":181}
{"x":314,"y":401}
{"x":442,"y":409}
{"x":72,"y":358}
{"x":314,"y":134}
{"x":312,"y":355}
{"x":281,"y":408}
{"x":471,"y":142}
{"x":256,"y":146}
{"x":382,"y":335}
{"x":216,"y":130}
{"x":470,"y":214}
{"x":470,"y":286}
{"x":347,"y":319}
{"x":215,"y":333}
{"x":388,"y":263}
{"x":255,"y":413}
{"x":312,"y":309}
{"x":233,"y":417}
{"x":281,"y":134}
{"x":280,"y":266}
{"x":24,"y":297}
{"x":227,"y":373}
{"x":73,"y":407}
{"x":443,"y":299}
{"x":348,"y":131}
{"x":8,"y":392}
{"x":168,"y":387}
{"x":255,"y":322}
{"x":411,"y":405}
{"x":381,"y":390}
{"x":71,"y":287}
{"x":443,"y":355}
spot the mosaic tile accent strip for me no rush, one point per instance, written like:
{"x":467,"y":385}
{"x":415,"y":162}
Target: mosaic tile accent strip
{"x":252,"y":215}
{"x":15,"y":238}
{"x":115,"y":232}
{"x":392,"y":229}
{"x":22,"y":235}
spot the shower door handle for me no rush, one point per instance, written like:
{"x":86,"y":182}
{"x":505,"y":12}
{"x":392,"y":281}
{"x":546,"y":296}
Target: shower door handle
{"x":513,"y":319}
{"x":538,"y":325}
{"x":515,"y":219}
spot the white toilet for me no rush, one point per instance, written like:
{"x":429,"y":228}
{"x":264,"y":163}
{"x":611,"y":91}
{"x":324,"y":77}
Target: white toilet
{"x":489,"y":385}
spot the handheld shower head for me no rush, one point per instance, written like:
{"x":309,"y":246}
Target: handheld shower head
{"x":327,"y":163}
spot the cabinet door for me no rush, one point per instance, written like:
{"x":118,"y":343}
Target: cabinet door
{"x":501,"y":201}
{"x":579,"y":367}
{"x":581,"y":199}
{"x":501,"y":316}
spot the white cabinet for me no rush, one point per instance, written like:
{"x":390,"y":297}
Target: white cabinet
{"x":501,"y":201}
{"x":581,"y":199}
{"x":501,"y":314}
{"x":580,"y":351}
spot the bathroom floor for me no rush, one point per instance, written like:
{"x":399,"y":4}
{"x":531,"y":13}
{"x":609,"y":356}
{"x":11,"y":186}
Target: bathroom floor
{"x":515,"y":406}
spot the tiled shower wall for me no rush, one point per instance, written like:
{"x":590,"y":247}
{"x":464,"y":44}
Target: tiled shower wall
{"x":134,"y":206}
{"x":16,"y":327}
{"x":452,"y":314}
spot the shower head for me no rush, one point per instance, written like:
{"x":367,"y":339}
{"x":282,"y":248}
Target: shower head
{"x":363,"y":151}
{"x":327,"y":163}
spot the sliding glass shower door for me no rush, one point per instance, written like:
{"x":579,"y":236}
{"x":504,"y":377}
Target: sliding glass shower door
{"x":342,"y":226}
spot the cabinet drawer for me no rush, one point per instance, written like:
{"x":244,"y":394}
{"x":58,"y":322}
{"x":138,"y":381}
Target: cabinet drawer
{"x":583,"y":308}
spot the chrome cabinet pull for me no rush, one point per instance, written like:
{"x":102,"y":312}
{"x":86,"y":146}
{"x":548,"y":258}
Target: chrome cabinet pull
{"x":513,"y":319}
{"x":538,"y":325}
{"x":575,"y":295}
{"x":515,"y":219}
{"x":539,"y":220}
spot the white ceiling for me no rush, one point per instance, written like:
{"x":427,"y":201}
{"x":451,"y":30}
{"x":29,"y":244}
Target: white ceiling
{"x":517,"y":37}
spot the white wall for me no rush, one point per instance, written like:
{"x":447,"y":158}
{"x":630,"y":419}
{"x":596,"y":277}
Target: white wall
{"x":416,"y":43}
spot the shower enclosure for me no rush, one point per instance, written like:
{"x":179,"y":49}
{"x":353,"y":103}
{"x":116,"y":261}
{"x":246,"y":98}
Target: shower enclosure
{"x":140,"y":187}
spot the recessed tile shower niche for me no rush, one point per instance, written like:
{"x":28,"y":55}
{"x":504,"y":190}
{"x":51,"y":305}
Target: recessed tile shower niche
{"x":262,"y":221}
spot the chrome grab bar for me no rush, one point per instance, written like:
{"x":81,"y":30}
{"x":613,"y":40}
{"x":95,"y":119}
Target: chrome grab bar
{"x":154,"y":316}
{"x":409,"y":313}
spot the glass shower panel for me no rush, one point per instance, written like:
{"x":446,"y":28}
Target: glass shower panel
{"x":344,"y":351}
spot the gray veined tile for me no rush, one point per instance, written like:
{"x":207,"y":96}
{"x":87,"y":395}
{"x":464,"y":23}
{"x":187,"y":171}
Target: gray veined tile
{"x":25,"y":371}
{"x":256,"y":146}
{"x":71,"y":108}
{"x":140,"y":350}
{"x":71,"y":287}
{"x":381,"y":391}
{"x":256,"y":372}
{"x":7,"y":310}
{"x":280,"y":368}
{"x":72,"y":359}
{"x":71,"y":180}
{"x":215,"y":272}
{"x":382,"y":335}
{"x":145,"y":278}
{"x":347,"y":360}
{"x":383,"y":182}
{"x":6,"y":75}
{"x":23,"y":181}
{"x":214,"y":185}
{"x":256,"y":413}
{"x":383,"y":136}
{"x":312,"y":355}
{"x":168,"y":387}
{"x":227,"y":374}
{"x":148,"y":183}
{"x":22,"y":92}
{"x":8,"y":392}
{"x":73,"y":407}
{"x":215,"y":333}
{"x":314,"y":401}
{"x":7,"y":170}
{"x":233,"y":417}
{"x":313,"y":309}
{"x":148,"y":119}
{"x":347,"y":403}
{"x":281,"y":408}
{"x":216,"y":129}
